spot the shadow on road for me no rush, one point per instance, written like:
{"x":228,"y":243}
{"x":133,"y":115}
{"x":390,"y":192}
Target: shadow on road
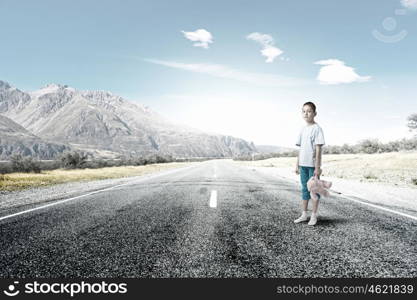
{"x":330,"y":221}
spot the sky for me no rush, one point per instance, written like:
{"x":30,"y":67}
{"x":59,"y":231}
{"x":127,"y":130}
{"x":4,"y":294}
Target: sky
{"x":241,"y":68}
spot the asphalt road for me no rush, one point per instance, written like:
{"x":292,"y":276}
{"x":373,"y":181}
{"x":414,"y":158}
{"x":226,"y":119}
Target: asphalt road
{"x":167,"y":226}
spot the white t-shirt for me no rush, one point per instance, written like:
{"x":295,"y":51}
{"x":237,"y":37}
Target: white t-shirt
{"x":309,"y":137}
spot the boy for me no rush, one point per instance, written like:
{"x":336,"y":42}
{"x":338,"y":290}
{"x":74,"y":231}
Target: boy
{"x":310,"y":140}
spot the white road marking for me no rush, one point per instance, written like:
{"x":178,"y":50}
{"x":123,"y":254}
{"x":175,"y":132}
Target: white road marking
{"x":58,"y":202}
{"x":149,"y":176}
{"x":213,"y":199}
{"x":380,"y":207}
{"x":339,"y":194}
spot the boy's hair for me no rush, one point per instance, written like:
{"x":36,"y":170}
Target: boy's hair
{"x":311,"y":104}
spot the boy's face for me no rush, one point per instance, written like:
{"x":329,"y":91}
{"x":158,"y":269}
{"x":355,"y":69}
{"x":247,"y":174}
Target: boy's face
{"x":308,"y":114}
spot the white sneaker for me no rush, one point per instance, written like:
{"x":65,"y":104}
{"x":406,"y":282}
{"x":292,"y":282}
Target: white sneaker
{"x":313,"y":220}
{"x":302,"y":218}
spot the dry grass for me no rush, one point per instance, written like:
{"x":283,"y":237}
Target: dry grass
{"x":395,"y":168}
{"x":18,"y":181}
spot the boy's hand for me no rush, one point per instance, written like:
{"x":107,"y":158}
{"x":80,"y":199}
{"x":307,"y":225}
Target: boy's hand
{"x":297,"y":170}
{"x":317,"y":172}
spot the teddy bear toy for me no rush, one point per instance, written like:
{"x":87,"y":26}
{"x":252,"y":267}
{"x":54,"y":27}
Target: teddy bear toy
{"x":317,"y":186}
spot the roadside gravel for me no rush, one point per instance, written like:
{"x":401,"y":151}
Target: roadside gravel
{"x":13,"y":200}
{"x":400,"y":198}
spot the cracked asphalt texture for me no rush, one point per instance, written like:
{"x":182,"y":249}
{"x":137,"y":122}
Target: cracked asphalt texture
{"x":163,"y":227}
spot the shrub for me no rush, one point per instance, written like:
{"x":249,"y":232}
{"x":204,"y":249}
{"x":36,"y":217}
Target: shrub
{"x":332,"y":149}
{"x":262,"y":156}
{"x":412,"y":121}
{"x":73,"y":160}
{"x":346,"y":149}
{"x":391,"y":147}
{"x":24,"y":164}
{"x":369,"y":146}
{"x":408,"y":144}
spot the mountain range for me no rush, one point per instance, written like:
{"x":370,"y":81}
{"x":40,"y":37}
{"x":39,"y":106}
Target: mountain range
{"x":14,"y":139}
{"x":56,"y":118}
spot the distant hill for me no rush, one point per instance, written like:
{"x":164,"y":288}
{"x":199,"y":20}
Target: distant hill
{"x":100,"y":122}
{"x":272,"y":149}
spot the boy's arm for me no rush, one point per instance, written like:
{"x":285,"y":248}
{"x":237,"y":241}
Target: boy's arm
{"x":296,"y":167}
{"x":317,"y":170}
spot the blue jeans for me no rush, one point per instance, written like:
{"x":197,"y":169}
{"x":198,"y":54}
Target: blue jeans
{"x":305,"y":174}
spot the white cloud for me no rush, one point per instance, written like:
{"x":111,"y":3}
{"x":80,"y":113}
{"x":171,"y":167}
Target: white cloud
{"x":335,"y":71}
{"x":267,"y":42}
{"x":221,"y":71}
{"x":201,"y":36}
{"x":270,"y":53}
{"x":263,"y":39}
{"x":411,"y":4}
